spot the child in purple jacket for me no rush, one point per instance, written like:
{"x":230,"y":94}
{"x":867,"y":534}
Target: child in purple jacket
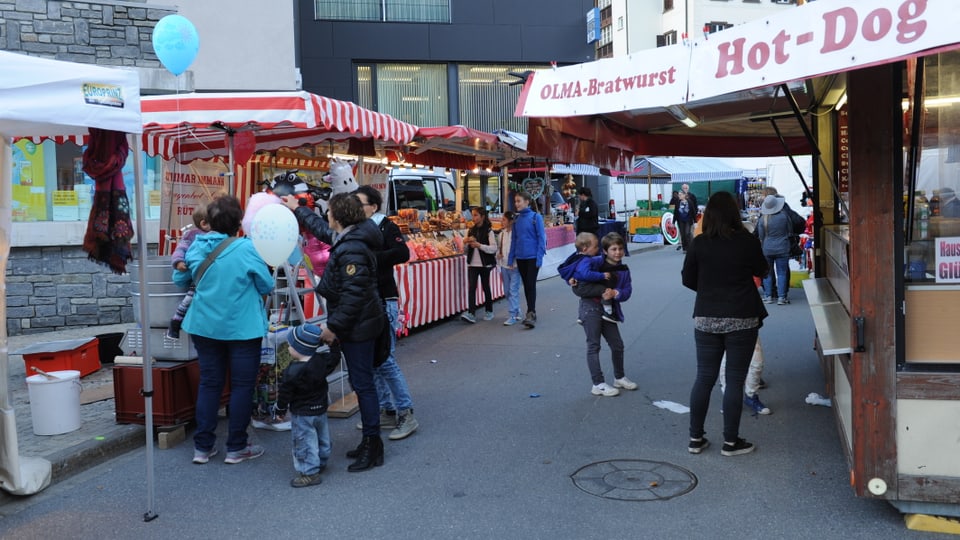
{"x":596,"y":323}
{"x":200,"y":226}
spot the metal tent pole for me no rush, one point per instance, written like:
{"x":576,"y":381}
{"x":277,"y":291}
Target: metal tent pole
{"x":136,"y":145}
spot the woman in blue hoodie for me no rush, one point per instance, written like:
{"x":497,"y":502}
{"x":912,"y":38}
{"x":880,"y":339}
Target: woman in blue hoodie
{"x":527,"y":248}
{"x":227,"y":321}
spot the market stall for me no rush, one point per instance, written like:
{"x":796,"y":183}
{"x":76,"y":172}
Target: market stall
{"x":48,"y":98}
{"x":886,"y":290}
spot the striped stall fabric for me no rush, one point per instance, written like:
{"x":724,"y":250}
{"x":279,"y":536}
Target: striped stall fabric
{"x":435,"y":289}
{"x":195,"y":126}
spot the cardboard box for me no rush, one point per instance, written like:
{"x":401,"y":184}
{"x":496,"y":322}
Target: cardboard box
{"x":77,"y":354}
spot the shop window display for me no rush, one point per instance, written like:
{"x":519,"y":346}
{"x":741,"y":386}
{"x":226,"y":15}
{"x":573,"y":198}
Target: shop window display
{"x":49,"y":184}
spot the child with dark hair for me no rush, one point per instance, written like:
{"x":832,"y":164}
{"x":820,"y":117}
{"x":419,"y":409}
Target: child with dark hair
{"x":481,"y":248}
{"x":609,"y":271}
{"x":199,"y":227}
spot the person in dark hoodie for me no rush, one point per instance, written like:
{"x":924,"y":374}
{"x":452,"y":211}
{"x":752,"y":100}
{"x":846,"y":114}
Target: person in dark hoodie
{"x":304,"y":392}
{"x":355,"y":315}
{"x":396,"y":404}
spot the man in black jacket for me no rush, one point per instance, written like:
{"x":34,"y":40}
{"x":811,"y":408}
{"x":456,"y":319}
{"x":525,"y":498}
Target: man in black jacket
{"x":588,"y":217}
{"x":396,"y":405}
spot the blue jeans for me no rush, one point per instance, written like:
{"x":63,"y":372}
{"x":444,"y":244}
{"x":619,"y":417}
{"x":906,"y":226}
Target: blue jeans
{"x":359,"y":358}
{"x":591,"y":311}
{"x":311,"y":443}
{"x":392,"y":387}
{"x":511,"y":286}
{"x":710,"y":348}
{"x":781,"y":265}
{"x":216,"y":357}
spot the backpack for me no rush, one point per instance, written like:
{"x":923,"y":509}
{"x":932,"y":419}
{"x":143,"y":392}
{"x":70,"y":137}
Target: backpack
{"x":797,"y":223}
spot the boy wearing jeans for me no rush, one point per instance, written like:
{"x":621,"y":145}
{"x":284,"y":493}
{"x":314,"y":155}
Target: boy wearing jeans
{"x":304,"y":391}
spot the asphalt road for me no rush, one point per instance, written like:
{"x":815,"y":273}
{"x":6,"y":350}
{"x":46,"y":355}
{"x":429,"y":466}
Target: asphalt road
{"x":513,"y":445}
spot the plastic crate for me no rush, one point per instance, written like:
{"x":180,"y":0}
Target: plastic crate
{"x":174,"y":393}
{"x":70,"y":354}
{"x":161,"y":347}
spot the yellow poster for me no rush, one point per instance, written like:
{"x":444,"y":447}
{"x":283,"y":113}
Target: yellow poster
{"x":29,"y":191}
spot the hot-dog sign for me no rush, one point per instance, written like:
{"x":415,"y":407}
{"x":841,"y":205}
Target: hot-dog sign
{"x":798,"y":43}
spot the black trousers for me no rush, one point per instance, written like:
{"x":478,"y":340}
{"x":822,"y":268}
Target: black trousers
{"x":483,"y":274}
{"x":528,"y":276}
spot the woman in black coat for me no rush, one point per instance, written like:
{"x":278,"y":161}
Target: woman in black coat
{"x":728,"y":312}
{"x":354,"y":312}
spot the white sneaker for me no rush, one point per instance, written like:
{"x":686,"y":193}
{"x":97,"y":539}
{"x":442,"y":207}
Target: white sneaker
{"x":624,"y":383}
{"x":603,"y":390}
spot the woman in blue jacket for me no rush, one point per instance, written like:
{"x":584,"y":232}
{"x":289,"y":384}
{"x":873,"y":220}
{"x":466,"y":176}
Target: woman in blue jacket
{"x":527,"y":248}
{"x":227,"y":321}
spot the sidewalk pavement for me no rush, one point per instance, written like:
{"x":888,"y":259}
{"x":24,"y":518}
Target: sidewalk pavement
{"x":99,"y":437}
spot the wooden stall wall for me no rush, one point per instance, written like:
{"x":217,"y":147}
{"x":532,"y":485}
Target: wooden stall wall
{"x":875,"y":124}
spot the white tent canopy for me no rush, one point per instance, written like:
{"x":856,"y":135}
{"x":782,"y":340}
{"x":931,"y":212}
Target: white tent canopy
{"x":41,"y":97}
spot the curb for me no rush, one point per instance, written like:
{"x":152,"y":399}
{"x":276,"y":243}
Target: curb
{"x":78,"y":458}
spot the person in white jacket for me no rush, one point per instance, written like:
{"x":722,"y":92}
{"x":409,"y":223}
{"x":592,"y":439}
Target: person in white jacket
{"x":509,"y":274}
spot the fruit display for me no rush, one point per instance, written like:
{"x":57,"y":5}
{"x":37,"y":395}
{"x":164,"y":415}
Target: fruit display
{"x":426,"y":246}
{"x":410,"y":221}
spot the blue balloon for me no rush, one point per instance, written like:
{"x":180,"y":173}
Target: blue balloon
{"x":176,"y":42}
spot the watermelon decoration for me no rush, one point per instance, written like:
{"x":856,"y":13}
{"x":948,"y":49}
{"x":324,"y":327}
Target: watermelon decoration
{"x":670,"y":231}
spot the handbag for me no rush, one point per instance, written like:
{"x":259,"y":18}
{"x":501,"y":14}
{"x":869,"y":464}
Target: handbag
{"x":796,"y":249}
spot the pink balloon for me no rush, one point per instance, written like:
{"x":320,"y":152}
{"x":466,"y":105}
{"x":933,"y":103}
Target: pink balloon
{"x":256,"y":202}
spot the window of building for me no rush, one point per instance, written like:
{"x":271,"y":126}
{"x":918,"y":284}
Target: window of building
{"x":714,"y":26}
{"x":487,"y":100}
{"x":425,"y":11}
{"x":417,"y":93}
{"x":414,"y":93}
{"x":49,"y":184}
{"x":667,"y":38}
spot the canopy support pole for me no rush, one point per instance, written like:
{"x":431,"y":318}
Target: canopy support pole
{"x":150,"y":514}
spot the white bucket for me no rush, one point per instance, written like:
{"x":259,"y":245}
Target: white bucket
{"x":55,"y":404}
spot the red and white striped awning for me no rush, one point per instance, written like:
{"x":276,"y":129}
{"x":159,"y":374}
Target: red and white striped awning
{"x":195,"y":126}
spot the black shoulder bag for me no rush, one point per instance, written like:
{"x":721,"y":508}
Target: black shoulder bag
{"x":210,"y":258}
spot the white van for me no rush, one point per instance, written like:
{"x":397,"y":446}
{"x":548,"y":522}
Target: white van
{"x":420,"y":189}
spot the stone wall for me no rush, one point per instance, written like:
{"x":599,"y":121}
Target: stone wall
{"x":105,"y":32}
{"x":52,"y":288}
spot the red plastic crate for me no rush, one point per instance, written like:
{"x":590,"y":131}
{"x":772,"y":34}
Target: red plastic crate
{"x":77,"y":354}
{"x":174,"y":393}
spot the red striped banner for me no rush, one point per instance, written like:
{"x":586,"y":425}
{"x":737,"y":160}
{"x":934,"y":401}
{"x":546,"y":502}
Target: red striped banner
{"x":433,"y":290}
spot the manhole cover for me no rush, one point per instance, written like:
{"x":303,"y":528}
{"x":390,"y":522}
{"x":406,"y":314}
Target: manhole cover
{"x":634,"y":480}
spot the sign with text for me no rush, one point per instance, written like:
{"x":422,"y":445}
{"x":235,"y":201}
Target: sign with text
{"x":652,"y":78}
{"x":798,"y":43}
{"x":947,"y":269}
{"x":187,"y":187}
{"x":816,"y":39}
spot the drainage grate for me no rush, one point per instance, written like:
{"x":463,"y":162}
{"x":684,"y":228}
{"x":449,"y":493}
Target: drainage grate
{"x":634,"y":480}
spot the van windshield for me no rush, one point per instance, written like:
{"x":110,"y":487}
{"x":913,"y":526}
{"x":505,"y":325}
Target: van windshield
{"x":421,"y":194}
{"x":412,"y":193}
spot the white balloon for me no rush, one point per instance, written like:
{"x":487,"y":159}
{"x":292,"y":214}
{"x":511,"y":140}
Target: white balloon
{"x":257,"y":201}
{"x":274,"y":233}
